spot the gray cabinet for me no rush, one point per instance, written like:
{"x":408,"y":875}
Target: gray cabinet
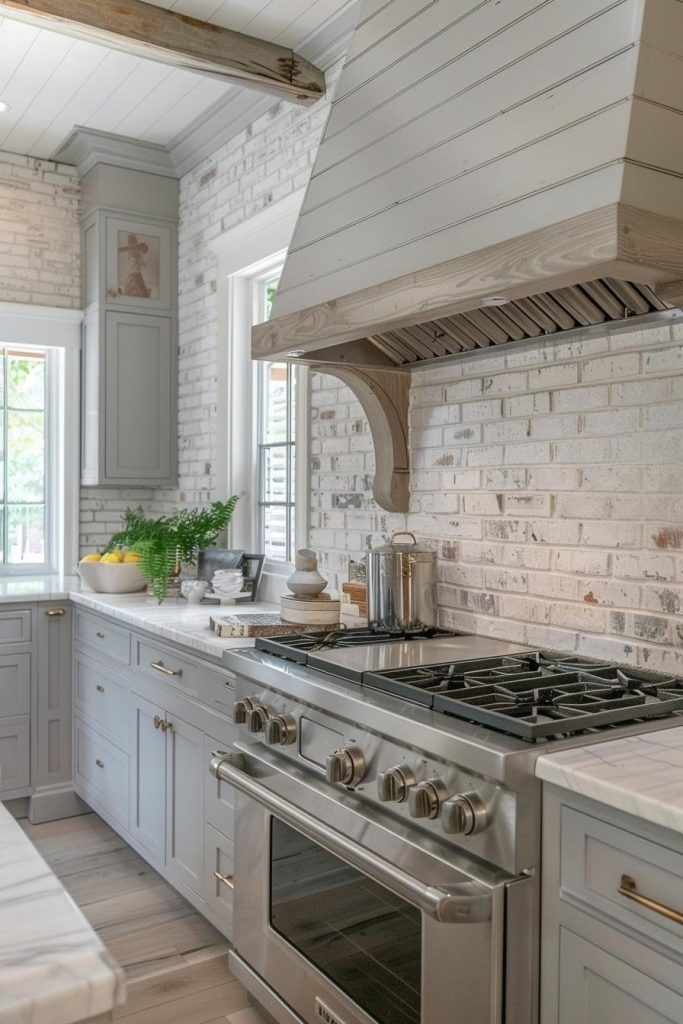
{"x":148,"y":778}
{"x":186,"y":769}
{"x":606,"y":957}
{"x":129,"y":390}
{"x":53,"y":654}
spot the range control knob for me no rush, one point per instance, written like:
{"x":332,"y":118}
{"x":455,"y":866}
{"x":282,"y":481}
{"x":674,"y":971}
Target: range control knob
{"x":240,"y":709}
{"x":346,"y":766}
{"x":425,"y":799}
{"x":280,"y":729}
{"x":257,"y":716}
{"x":393,"y":785}
{"x":464,"y":814}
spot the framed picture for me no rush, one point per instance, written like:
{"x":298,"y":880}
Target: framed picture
{"x":139,"y":263}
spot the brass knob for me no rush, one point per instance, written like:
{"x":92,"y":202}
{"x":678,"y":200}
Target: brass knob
{"x":55,"y":613}
{"x":425,"y":799}
{"x":394,"y":784}
{"x":240,"y":709}
{"x":257,"y":717}
{"x":464,"y":814}
{"x":346,"y":766}
{"x":158,"y":722}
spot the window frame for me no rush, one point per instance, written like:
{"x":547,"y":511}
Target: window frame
{"x":57,"y":332}
{"x":247,"y":253}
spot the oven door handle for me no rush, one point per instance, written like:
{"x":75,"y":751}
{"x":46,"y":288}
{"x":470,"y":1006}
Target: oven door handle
{"x":463,"y":903}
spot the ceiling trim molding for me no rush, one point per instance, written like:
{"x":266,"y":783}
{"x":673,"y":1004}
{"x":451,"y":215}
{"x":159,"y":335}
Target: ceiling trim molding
{"x":268,"y":231}
{"x":86,"y":147}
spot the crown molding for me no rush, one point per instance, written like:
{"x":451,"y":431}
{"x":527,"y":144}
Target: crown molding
{"x":84,"y":148}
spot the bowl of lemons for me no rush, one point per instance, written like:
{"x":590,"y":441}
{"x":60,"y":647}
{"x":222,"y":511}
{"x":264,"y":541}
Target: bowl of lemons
{"x":116,"y":572}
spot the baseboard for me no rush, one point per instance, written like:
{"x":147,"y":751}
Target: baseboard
{"x":53,"y":802}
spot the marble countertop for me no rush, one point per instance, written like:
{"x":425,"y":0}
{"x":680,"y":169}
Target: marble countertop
{"x":642,"y":775}
{"x":175,"y":620}
{"x":53,"y":967}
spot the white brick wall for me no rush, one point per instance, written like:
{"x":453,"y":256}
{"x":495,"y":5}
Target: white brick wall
{"x":548,"y":477}
{"x":40,"y":258}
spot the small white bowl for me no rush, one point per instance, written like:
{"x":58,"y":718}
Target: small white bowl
{"x":112,"y":577}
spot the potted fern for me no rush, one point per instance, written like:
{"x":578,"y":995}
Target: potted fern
{"x":165,"y":543}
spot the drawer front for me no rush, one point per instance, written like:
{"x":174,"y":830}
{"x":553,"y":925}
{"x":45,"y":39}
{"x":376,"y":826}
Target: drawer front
{"x":218,"y":881}
{"x":99,"y":696}
{"x":15,"y":685}
{"x":219,"y":796}
{"x":165,"y":664}
{"x":101,"y":771}
{"x":111,"y":641}
{"x":15,"y":627}
{"x":15,"y":754}
{"x":596,"y":859}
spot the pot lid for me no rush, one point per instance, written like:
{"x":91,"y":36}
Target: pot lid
{"x":396,"y":548}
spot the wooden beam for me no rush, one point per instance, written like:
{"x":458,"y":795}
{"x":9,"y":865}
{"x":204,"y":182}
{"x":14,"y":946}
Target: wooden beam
{"x":151,"y":32}
{"x":671,"y":293}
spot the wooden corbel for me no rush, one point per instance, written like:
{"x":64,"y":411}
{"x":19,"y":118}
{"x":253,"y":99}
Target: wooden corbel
{"x":384,"y":396}
{"x":671,"y":293}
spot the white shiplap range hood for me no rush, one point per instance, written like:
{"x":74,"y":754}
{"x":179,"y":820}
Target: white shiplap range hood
{"x":491,"y":171}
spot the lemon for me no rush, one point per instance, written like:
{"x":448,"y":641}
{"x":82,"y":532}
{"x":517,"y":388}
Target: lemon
{"x":92,"y":557}
{"x":131,"y":556}
{"x":112,"y":558}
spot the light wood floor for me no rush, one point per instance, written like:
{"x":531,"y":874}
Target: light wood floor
{"x":175,"y":962}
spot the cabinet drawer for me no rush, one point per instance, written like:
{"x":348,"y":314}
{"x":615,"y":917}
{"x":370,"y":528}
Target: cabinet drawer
{"x":15,"y":754}
{"x":112,"y":641}
{"x":15,"y":627}
{"x":15,"y":685}
{"x":164,"y":664}
{"x":218,"y":882}
{"x":99,"y":696}
{"x":595,"y":858}
{"x":101,"y":771}
{"x":219,"y":796}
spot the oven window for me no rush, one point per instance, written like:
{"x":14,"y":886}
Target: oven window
{"x":362,"y":937}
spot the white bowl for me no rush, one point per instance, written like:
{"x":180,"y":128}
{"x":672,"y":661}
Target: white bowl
{"x":112,"y":577}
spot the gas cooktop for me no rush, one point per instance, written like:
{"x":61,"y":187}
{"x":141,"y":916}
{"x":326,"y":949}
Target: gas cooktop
{"x":537,"y":696}
{"x":531,"y":694}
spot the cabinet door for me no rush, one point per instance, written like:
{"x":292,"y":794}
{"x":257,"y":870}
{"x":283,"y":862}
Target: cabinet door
{"x":148,"y":778}
{"x":139,"y":424}
{"x":15,"y":754}
{"x":186,"y":769}
{"x":598,"y":988}
{"x":54,"y":694}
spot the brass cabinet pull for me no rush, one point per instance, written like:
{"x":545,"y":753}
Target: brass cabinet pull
{"x":166,"y":726}
{"x":628,"y":889}
{"x":100,"y":636}
{"x":99,"y":688}
{"x":159,"y":666}
{"x":158,"y":722}
{"x":225,"y":879}
{"x":100,"y":764}
{"x":55,"y":613}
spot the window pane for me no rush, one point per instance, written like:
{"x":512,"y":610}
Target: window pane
{"x":274,"y":403}
{"x":25,"y":534}
{"x":274,"y":482}
{"x":25,"y":382}
{"x":26,"y":456}
{"x":269,"y":293}
{"x":275,"y":532}
{"x":2,"y":457}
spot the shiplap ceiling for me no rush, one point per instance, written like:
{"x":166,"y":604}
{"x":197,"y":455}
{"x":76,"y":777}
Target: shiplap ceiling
{"x":52,"y":82}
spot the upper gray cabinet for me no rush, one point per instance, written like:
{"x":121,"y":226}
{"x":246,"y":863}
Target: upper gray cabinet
{"x":129,"y":367}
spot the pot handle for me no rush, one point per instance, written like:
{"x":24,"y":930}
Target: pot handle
{"x":403,"y":533}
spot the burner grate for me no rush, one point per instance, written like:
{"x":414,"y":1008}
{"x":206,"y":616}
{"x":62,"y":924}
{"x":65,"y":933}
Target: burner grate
{"x":297,"y":646}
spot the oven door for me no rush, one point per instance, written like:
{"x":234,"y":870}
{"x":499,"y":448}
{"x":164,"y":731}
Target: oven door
{"x":349,"y":919}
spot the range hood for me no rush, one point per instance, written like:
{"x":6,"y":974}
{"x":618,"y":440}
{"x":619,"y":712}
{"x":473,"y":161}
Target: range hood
{"x":490,"y":172}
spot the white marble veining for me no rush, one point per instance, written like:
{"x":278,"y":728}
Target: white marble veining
{"x":53,"y":967}
{"x":175,"y":619}
{"x":642,"y":775}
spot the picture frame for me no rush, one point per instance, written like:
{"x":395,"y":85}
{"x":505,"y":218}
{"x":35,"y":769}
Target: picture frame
{"x":139,"y":262}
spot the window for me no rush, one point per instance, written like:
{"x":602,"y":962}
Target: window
{"x":275,"y":439}
{"x":24,"y":483}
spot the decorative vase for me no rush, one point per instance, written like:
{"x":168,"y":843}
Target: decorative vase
{"x":306,"y":581}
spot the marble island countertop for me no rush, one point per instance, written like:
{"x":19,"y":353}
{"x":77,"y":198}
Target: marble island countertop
{"x":53,"y":967}
{"x":641,"y":775}
{"x":175,"y":620}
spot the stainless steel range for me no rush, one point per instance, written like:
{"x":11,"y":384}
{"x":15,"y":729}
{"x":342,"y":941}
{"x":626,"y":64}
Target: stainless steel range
{"x":388,"y":818}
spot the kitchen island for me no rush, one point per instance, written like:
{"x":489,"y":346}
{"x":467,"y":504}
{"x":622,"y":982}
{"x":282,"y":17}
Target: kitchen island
{"x":53,"y":967}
